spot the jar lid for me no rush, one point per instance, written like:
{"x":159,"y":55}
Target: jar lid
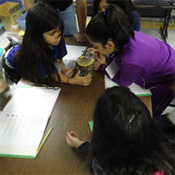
{"x":84,"y":61}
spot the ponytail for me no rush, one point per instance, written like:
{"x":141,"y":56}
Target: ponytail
{"x":111,"y":24}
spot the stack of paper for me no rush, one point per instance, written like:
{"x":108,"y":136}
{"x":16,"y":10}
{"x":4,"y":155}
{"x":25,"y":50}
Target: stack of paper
{"x":20,"y":134}
{"x":134,"y":87}
{"x":30,"y":99}
{"x":23,"y":120}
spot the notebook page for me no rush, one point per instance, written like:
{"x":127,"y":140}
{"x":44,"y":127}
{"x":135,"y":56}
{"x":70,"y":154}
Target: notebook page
{"x":29,"y":99}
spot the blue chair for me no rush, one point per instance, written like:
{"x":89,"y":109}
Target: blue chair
{"x":1,"y":53}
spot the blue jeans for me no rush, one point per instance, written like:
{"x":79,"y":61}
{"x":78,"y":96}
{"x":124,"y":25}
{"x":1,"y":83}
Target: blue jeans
{"x":136,"y":20}
{"x":69,"y":20}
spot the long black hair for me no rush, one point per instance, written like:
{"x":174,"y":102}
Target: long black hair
{"x":34,"y":54}
{"x":111,"y":24}
{"x":126,"y":5}
{"x":126,"y":138}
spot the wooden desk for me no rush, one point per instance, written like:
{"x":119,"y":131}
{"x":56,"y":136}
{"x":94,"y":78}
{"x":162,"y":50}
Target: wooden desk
{"x":72,"y":112}
{"x":147,"y":101}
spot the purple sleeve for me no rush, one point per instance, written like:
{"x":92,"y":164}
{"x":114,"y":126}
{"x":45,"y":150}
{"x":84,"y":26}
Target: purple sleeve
{"x":128,"y":74}
{"x":101,"y":68}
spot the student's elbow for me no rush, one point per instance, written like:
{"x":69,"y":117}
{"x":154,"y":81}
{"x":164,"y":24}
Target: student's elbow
{"x":123,"y":83}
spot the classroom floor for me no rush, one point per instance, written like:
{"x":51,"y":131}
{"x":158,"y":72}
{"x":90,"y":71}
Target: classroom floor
{"x":149,"y":26}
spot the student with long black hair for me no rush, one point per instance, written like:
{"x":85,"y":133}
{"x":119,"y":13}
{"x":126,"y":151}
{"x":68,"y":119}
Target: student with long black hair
{"x":125,"y":139}
{"x":133,"y":57}
{"x":42,"y":50}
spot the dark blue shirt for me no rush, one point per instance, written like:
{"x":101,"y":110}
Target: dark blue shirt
{"x":58,"y":51}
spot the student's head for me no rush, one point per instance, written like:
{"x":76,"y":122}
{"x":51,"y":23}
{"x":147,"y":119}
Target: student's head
{"x":44,"y":24}
{"x":121,"y":119}
{"x":101,"y":5}
{"x":44,"y":28}
{"x":109,"y":29}
{"x":124,"y":134}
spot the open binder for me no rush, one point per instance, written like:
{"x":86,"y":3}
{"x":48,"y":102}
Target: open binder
{"x":24,"y":119}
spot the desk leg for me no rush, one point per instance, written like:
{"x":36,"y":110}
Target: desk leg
{"x":164,"y":29}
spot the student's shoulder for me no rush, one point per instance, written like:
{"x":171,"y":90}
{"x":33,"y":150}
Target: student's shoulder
{"x":142,"y":37}
{"x":141,"y":40}
{"x":12,"y":51}
{"x":61,"y":43}
{"x":60,"y":50}
{"x":16,"y":48}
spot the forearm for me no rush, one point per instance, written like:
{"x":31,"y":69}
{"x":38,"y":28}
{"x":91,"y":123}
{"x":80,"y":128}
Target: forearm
{"x":28,"y":4}
{"x":81,"y":15}
{"x":63,"y":67}
{"x":66,"y":79}
{"x":128,"y":75}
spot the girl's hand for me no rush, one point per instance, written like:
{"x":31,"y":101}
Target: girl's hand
{"x":80,"y":37}
{"x":69,"y":73}
{"x":73,"y":140}
{"x":78,"y":80}
{"x":91,"y":49}
{"x":97,"y":56}
{"x":96,"y":65}
{"x":100,"y":58}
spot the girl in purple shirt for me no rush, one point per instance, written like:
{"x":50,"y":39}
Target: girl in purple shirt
{"x":137,"y":57}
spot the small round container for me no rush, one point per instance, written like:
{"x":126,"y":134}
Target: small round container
{"x":85,"y":65}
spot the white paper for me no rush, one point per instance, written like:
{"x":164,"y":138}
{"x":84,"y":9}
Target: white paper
{"x":133,"y":87}
{"x":24,"y":118}
{"x":29,"y":99}
{"x":112,"y":69}
{"x":171,"y":117}
{"x":21,"y":134}
{"x":21,"y":129}
{"x":73,"y":53}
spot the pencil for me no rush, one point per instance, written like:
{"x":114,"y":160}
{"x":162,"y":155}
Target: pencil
{"x":43,"y":141}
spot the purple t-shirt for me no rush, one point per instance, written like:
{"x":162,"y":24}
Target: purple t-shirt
{"x":146,"y":61}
